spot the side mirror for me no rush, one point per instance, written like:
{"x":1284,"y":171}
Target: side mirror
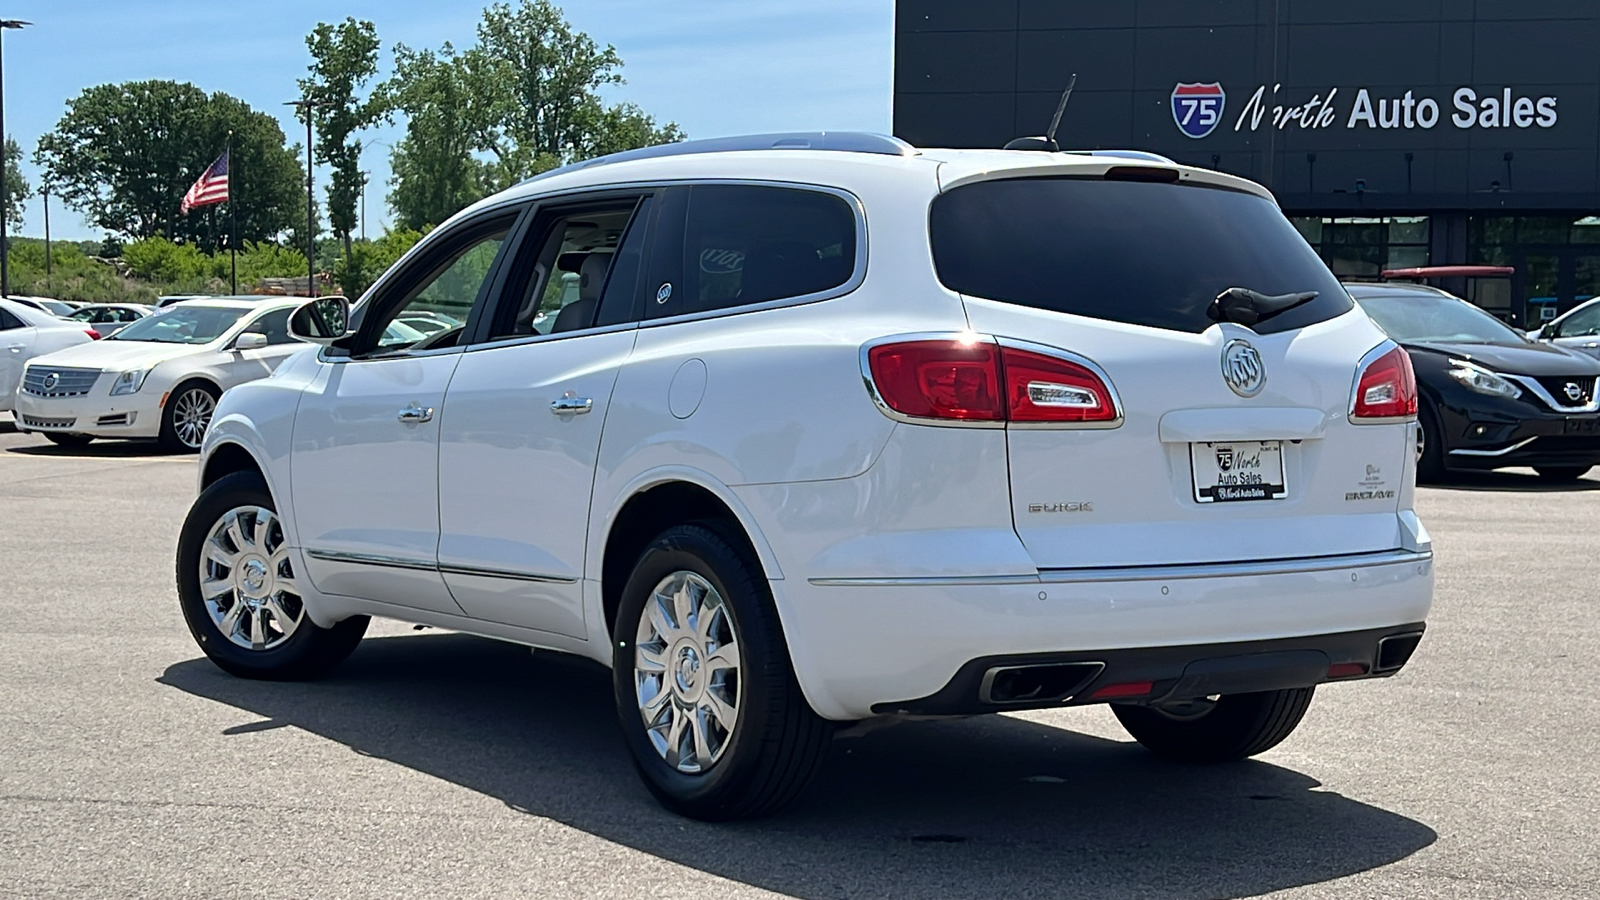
{"x":324,"y":321}
{"x":250,"y":340}
{"x":1548,"y":332}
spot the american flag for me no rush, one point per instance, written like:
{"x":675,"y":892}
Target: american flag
{"x":211,"y":188}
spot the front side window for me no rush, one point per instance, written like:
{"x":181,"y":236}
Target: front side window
{"x":432,"y":310}
{"x":1583,"y":323}
{"x":1141,"y":253}
{"x":186,"y":323}
{"x":8,"y":321}
{"x":747,"y":244}
{"x":275,"y":325}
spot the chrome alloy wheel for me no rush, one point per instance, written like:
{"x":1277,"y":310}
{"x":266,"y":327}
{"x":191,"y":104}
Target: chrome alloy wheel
{"x":686,"y":672}
{"x":246,"y":579}
{"x":191,"y":415}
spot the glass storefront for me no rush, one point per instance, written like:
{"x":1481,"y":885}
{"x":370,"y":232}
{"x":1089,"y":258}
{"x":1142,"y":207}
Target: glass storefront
{"x":1359,"y":249}
{"x":1557,"y":259}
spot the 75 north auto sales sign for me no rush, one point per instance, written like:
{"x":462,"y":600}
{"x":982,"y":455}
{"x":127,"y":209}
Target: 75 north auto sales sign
{"x":1198,"y":108}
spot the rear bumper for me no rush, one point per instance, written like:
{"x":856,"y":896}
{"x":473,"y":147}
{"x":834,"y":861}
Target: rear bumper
{"x":863,"y":646}
{"x":1158,"y":674}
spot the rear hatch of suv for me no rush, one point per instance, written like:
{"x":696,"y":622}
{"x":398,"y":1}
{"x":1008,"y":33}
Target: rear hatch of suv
{"x":1118,"y":268}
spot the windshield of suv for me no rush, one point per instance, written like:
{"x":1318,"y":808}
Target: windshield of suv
{"x":182,"y":324}
{"x":1414,"y":317}
{"x":1127,"y":251}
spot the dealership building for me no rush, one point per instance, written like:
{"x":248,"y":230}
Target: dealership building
{"x":1395,"y":133}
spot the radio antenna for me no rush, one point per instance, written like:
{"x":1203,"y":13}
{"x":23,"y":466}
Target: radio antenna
{"x":1050,"y":136}
{"x":1048,"y":142}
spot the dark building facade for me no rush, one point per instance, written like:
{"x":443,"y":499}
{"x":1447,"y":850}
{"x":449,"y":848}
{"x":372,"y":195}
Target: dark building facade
{"x":1395,"y":133}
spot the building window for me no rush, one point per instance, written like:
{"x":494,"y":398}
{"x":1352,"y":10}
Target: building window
{"x":1360,"y":248}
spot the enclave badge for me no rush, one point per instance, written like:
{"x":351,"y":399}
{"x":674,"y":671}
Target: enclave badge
{"x":1242,"y":368}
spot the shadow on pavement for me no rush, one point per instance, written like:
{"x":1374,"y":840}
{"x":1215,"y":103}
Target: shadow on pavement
{"x":1513,"y":481}
{"x":984,"y":807}
{"x":110,"y":449}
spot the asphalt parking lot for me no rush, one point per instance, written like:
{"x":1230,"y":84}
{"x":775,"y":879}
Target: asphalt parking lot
{"x":434,"y":764}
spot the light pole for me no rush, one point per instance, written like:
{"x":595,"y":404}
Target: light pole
{"x":5,"y":209}
{"x":49,"y":279}
{"x":305,"y":107}
{"x":364,"y":175}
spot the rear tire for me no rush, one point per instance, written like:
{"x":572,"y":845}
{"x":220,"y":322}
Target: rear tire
{"x":187,"y":416}
{"x":706,"y":697}
{"x":248,"y":616}
{"x":1431,"y":449}
{"x":1562,"y":473}
{"x":1234,"y":727}
{"x":67,"y":440}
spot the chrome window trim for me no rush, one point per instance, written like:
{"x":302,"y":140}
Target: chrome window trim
{"x":1532,"y":384}
{"x":521,"y":339}
{"x":992,"y":424}
{"x":420,"y":565}
{"x":1148,"y":573}
{"x":1367,"y":359}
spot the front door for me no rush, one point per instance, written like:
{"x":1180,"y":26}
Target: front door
{"x":524,"y":414}
{"x":365,"y":463}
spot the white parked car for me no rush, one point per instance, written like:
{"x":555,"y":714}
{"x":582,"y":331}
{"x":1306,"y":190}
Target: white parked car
{"x":1576,"y":329}
{"x":55,"y":308}
{"x":833,"y":428}
{"x":26,"y":332}
{"x":108,"y":318}
{"x":159,"y":377}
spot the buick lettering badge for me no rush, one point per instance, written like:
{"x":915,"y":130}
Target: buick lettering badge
{"x":1574,"y":391}
{"x":51,"y":380}
{"x":1242,"y":368}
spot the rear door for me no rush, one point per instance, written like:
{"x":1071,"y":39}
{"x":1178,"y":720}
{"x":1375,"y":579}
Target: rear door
{"x":15,"y":338}
{"x":1120,"y":273}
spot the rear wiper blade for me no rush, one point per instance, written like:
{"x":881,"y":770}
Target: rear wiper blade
{"x":1243,"y":306}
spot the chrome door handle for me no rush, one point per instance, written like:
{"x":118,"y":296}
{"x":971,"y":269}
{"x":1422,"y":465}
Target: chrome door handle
{"x":416,"y":415}
{"x":571,"y":404}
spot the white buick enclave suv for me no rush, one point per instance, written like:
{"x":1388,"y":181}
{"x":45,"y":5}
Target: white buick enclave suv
{"x":800,"y":429}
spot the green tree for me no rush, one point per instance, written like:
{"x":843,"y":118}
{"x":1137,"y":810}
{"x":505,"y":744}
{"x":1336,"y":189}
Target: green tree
{"x":344,"y":58}
{"x":16,"y":186}
{"x":522,"y":100}
{"x":125,"y":154}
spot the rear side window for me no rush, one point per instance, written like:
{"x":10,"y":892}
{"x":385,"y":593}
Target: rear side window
{"x":1143,"y":253}
{"x":745,"y":244}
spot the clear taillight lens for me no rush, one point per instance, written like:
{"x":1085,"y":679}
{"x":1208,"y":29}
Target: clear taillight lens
{"x":1386,"y":389}
{"x":976,"y":380}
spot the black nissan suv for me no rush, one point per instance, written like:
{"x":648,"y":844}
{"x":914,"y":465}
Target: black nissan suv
{"x":1489,"y":397}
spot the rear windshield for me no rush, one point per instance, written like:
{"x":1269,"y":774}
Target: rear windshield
{"x":1126,"y":251}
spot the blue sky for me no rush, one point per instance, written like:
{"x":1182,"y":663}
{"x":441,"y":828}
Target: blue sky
{"x":715,"y":67}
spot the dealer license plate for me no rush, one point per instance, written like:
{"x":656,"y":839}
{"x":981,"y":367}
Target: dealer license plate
{"x":1227,"y":471}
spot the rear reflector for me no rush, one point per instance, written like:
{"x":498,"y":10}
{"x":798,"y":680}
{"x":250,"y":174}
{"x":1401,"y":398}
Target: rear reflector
{"x":93,"y":335}
{"x":1386,"y":389}
{"x":974,"y":379}
{"x":1347,"y":670}
{"x":1126,"y":689}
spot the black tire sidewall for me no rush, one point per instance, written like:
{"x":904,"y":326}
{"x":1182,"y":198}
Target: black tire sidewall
{"x":169,"y":426}
{"x":1431,"y":467}
{"x":307,"y":652}
{"x":762,"y":663}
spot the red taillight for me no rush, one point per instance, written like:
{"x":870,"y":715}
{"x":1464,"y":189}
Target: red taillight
{"x":93,"y":335}
{"x":962,"y":379}
{"x":1043,"y":388}
{"x":1386,"y":388}
{"x":939,"y":379}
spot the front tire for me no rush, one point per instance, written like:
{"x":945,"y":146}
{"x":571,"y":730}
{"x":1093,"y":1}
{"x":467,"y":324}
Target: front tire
{"x":1212,"y":731}
{"x":61,"y":439}
{"x":187,"y":416}
{"x":1430,"y":448}
{"x":1562,"y":473}
{"x":239,"y":591}
{"x":708,"y":703}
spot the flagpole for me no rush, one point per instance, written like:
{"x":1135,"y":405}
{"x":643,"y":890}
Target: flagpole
{"x":233,"y":222}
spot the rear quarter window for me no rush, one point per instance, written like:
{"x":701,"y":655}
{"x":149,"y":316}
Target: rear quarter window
{"x":1142,"y":253}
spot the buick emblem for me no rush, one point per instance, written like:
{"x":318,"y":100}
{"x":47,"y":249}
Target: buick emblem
{"x":1574,"y":391}
{"x":1242,"y":368}
{"x":51,"y":380}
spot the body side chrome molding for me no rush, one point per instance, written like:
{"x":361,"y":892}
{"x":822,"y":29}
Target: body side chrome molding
{"x":1149,"y":573}
{"x":420,"y":565}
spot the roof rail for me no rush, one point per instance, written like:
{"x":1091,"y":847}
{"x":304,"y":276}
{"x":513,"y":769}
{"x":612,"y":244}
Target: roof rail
{"x":841,"y":141}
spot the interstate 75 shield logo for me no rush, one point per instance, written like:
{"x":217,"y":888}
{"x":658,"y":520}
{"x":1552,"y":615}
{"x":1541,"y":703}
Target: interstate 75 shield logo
{"x":1197,"y":108}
